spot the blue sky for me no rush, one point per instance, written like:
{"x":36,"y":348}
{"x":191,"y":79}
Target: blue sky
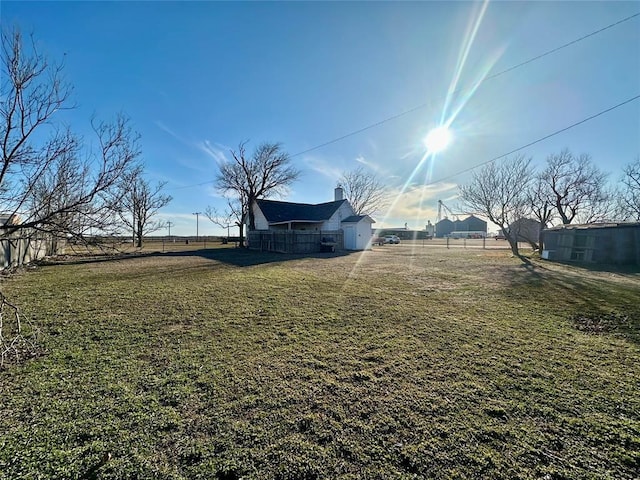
{"x":197,"y":78}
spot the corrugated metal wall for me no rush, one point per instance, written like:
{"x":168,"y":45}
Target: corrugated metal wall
{"x":618,"y":245}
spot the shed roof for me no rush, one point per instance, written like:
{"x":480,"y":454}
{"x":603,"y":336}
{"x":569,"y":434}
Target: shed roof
{"x":357,"y":218}
{"x":278,"y":212}
{"x":592,"y":226}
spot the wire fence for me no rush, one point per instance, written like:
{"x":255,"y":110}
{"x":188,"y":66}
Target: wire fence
{"x":470,"y":243}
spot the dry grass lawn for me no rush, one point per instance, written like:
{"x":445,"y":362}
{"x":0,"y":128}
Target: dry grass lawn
{"x":403,"y":362}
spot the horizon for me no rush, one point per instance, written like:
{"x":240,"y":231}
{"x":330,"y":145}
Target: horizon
{"x":343,"y":85}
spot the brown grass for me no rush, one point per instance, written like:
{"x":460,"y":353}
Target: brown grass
{"x":396,"y":363}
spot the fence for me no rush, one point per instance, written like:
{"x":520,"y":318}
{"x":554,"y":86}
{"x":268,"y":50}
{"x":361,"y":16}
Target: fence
{"x":293,"y":241}
{"x":26,"y":245}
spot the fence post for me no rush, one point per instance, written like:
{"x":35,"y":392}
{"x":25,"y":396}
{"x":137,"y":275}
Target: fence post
{"x":447,"y":242}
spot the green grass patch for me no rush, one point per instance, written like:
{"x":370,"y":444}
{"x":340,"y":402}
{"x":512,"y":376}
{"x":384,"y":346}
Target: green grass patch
{"x":395,"y":363}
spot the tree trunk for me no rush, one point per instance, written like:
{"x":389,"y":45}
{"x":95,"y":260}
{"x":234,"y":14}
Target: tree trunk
{"x":513,"y":243}
{"x":252,"y":219}
{"x":514,"y":247}
{"x":241,"y":228}
{"x":566,"y":220}
{"x":139,"y":234}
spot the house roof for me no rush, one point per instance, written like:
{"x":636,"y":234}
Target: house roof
{"x":357,"y":218}
{"x":279,"y":212}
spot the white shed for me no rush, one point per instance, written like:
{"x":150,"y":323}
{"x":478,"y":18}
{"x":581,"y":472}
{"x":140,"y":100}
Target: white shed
{"x":357,"y":232}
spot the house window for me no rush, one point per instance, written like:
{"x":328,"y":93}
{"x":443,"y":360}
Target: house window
{"x":577,"y":255}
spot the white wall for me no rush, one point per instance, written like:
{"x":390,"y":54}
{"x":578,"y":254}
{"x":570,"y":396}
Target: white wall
{"x":260,"y":219}
{"x":334,"y":223}
{"x":363,"y":234}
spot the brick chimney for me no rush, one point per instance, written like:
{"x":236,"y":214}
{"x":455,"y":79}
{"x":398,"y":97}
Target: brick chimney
{"x":339,"y":193}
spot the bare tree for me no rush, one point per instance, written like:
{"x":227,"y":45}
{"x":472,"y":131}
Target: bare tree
{"x":46,"y":177}
{"x":74,"y":196}
{"x":232,"y":215}
{"x":267,"y":172}
{"x":498,"y":191}
{"x":600,"y":209}
{"x":364,"y":190}
{"x":629,"y":198}
{"x":541,"y":206}
{"x":576,"y":188}
{"x":138,"y":202}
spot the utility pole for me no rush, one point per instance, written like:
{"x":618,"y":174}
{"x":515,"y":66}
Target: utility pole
{"x":197,"y":214}
{"x":169,"y":226}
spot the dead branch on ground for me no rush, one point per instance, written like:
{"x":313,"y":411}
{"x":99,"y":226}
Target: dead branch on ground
{"x":18,"y":338}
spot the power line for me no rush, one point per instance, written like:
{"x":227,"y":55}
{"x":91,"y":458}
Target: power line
{"x":423,"y":105}
{"x":584,"y":120}
{"x":502,"y":72}
{"x":191,"y":186}
{"x":549,"y":52}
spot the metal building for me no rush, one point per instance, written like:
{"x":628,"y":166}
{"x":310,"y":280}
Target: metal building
{"x":444,"y":227}
{"x":471,"y":224}
{"x":606,"y":243}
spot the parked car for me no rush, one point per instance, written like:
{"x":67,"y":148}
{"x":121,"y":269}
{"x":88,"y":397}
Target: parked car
{"x":499,"y":236}
{"x":391,"y":239}
{"x":378,"y":241}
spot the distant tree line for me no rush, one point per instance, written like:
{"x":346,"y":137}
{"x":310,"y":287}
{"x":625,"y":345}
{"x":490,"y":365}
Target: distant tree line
{"x":568,"y":189}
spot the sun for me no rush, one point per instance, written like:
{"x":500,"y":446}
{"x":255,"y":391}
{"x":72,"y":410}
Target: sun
{"x":438,"y":139}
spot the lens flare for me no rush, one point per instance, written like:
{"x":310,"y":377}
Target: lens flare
{"x":438,"y":139}
{"x":456,"y":99}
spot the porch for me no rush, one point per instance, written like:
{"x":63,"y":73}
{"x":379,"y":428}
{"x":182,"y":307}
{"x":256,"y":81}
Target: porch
{"x":294,"y":241}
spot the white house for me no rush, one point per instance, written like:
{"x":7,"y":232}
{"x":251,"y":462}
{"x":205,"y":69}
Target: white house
{"x":328,"y":217}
